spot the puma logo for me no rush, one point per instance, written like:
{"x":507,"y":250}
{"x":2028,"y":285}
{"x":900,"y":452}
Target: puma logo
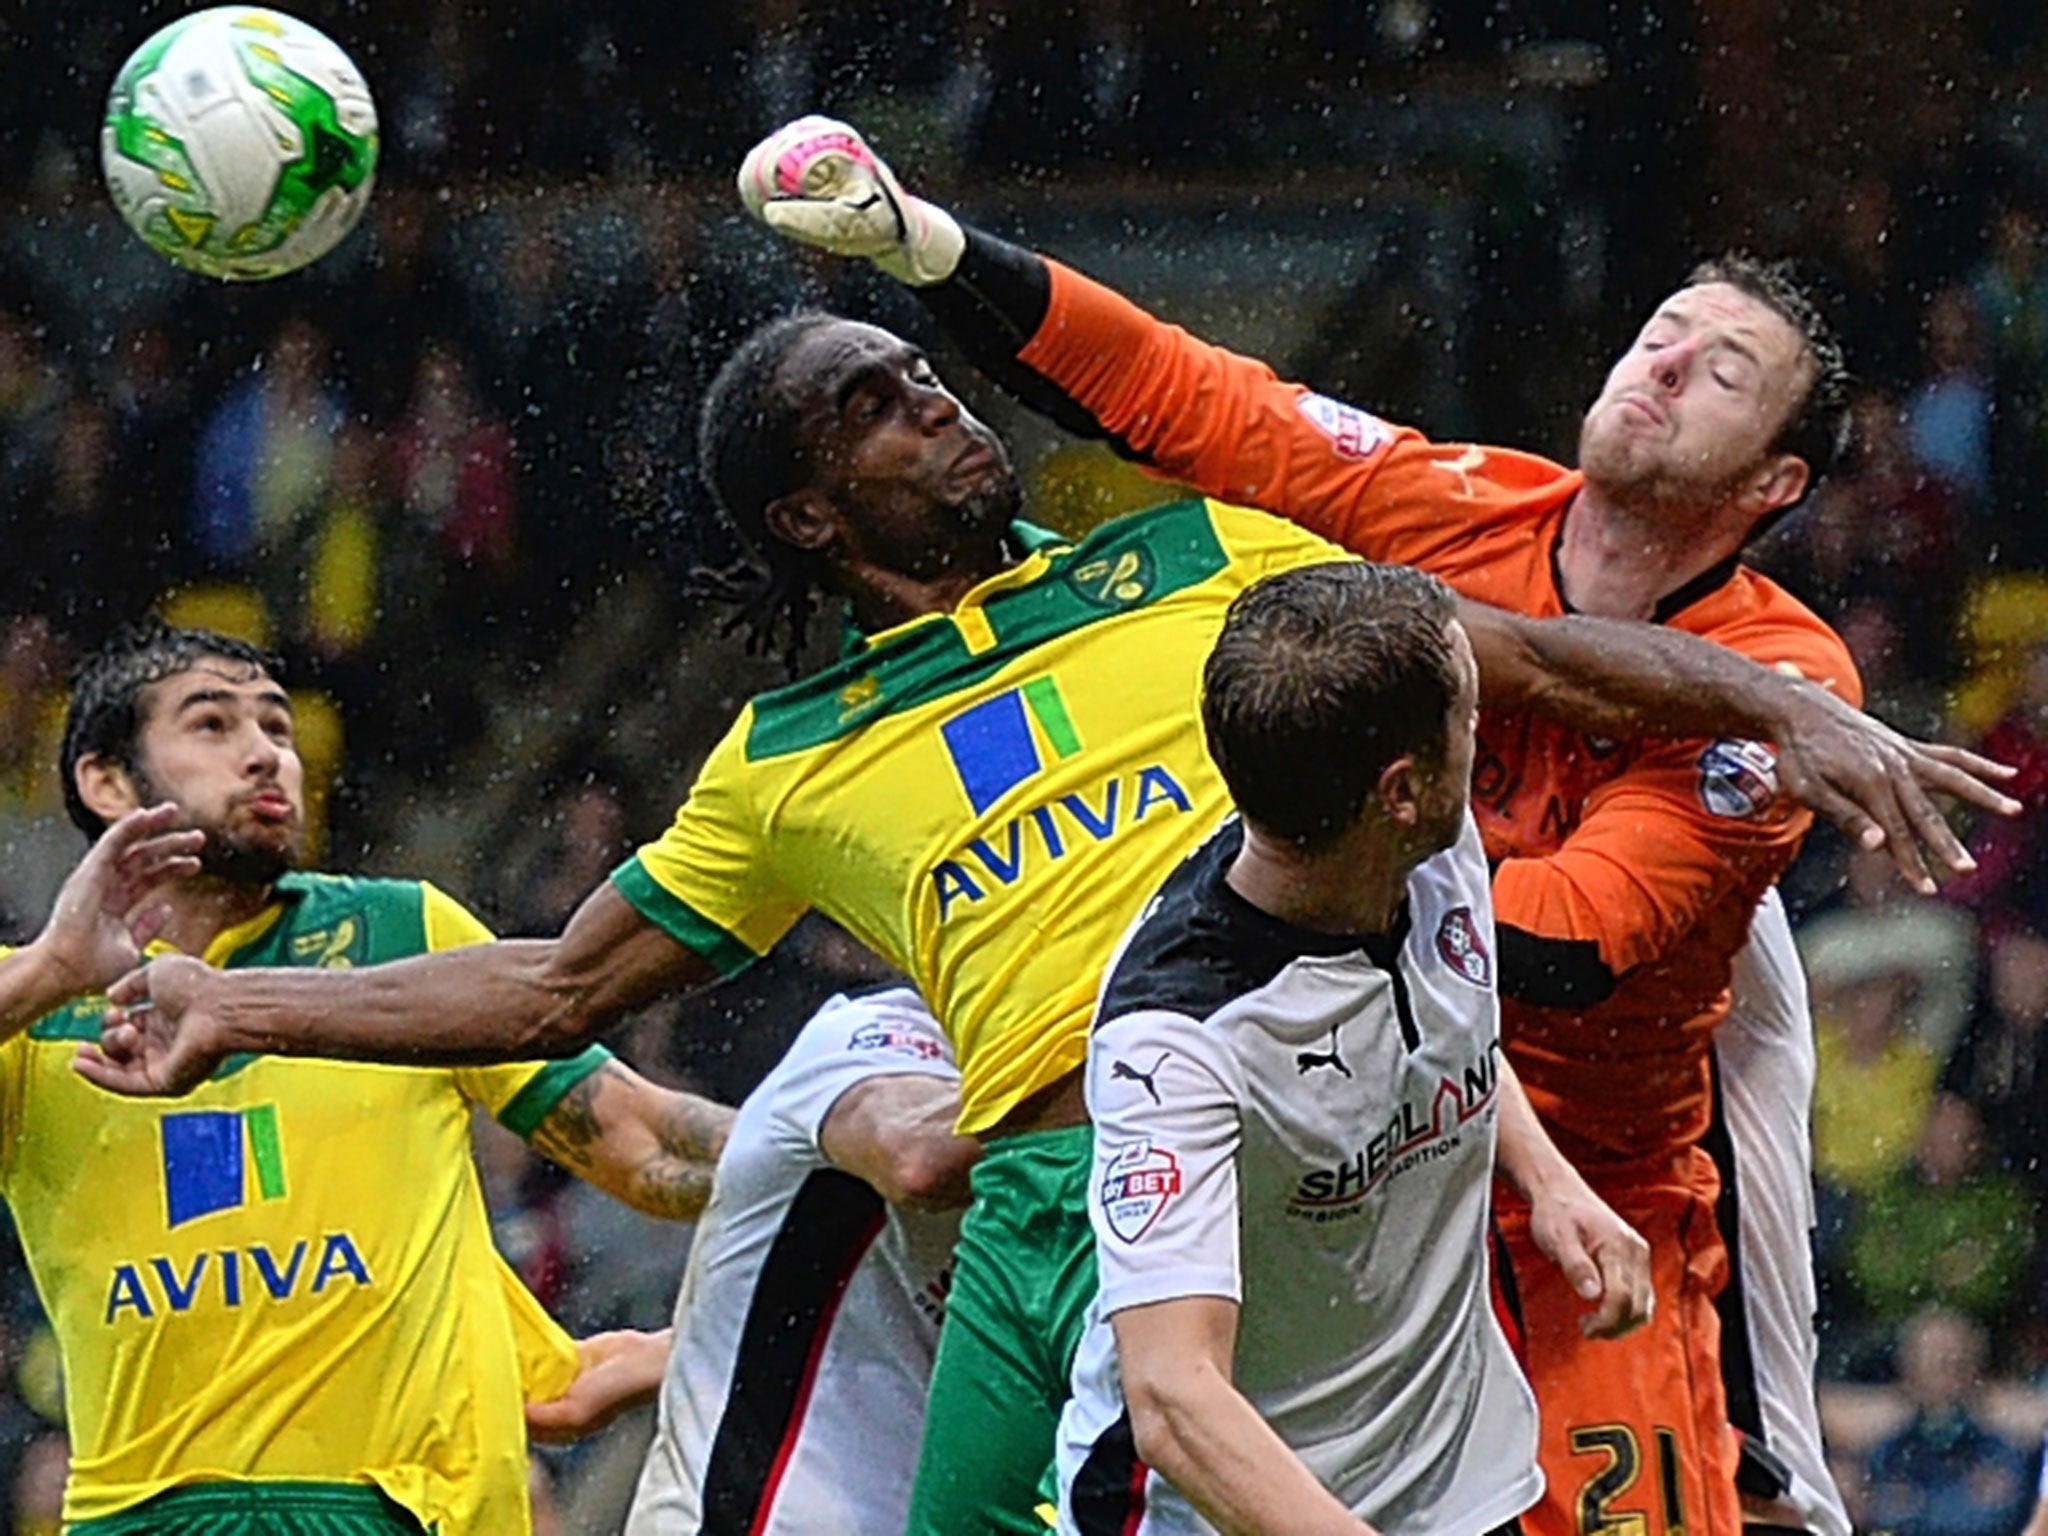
{"x":1307,"y":1061}
{"x":1130,"y":1074}
{"x":1474,"y":457}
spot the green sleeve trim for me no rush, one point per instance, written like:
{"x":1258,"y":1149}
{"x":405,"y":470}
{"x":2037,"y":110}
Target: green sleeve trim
{"x":537,"y":1099}
{"x":679,"y":920}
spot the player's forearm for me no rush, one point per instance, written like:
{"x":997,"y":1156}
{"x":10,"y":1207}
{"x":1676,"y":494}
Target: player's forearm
{"x":1524,"y":1154}
{"x":485,"y":1003}
{"x":1200,"y":1433}
{"x":1100,"y":366}
{"x":649,"y":1147}
{"x":896,"y":1133}
{"x":992,"y":306}
{"x":32,"y":983}
{"x":676,"y":1181}
{"x":1607,"y":677}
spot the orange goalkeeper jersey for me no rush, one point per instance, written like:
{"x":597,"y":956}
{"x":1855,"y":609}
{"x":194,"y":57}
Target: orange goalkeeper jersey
{"x":1639,"y":860}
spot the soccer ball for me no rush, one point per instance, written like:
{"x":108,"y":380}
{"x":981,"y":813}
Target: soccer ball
{"x":239,"y":142}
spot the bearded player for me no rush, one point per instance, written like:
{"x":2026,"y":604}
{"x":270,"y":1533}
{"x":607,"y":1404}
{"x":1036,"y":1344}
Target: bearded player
{"x":277,"y":1299}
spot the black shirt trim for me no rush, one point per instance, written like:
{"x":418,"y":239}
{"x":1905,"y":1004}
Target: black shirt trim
{"x":1201,"y":945}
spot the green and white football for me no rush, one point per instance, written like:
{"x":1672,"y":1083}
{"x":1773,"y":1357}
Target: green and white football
{"x":240,"y":142}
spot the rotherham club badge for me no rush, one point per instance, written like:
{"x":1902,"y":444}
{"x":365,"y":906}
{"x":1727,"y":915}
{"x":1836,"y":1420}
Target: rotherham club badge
{"x":1463,"y":950}
{"x":1136,"y":1185}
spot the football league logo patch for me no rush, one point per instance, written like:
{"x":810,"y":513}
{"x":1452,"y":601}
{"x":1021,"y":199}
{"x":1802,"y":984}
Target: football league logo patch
{"x":1136,"y":1186}
{"x":1738,"y":779}
{"x":1463,"y":950}
{"x":1355,"y":434}
{"x":882,"y":1037}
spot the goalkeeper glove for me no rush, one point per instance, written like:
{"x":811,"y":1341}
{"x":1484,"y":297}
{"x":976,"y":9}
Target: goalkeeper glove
{"x":815,"y":180}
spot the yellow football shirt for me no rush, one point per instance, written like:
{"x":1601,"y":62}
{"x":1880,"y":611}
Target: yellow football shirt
{"x":985,"y":798}
{"x":287,"y":1274}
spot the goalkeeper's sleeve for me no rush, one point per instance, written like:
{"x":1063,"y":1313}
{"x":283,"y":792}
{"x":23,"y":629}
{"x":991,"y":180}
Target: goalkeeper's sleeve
{"x":992,"y":305}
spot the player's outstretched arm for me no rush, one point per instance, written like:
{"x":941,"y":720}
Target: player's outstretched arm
{"x":1079,"y":352}
{"x":615,"y":1372}
{"x":102,"y":918}
{"x":1610,"y":678}
{"x":175,"y":1020}
{"x":1605,"y":1260}
{"x":896,"y":1133}
{"x":651,"y":1147}
{"x":1195,"y":1429}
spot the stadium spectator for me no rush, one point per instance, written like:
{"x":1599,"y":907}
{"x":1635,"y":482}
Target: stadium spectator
{"x":156,"y":430}
{"x":37,"y":1505}
{"x":37,"y":846}
{"x":2011,"y":879}
{"x":1892,"y":981}
{"x":33,"y":389}
{"x":2011,"y":289}
{"x":1949,"y":413}
{"x":265,"y":454}
{"x":586,"y":840}
{"x":455,"y":472}
{"x":1945,"y":1473}
{"x":1877,"y":554}
{"x":70,"y":558}
{"x":1946,"y":1230}
{"x":2000,"y":1060}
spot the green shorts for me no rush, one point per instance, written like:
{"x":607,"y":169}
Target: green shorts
{"x":1023,"y":1277}
{"x":260,"y":1509}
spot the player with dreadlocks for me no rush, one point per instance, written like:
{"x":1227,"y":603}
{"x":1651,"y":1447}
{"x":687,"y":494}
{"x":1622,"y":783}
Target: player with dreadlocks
{"x":748,"y":449}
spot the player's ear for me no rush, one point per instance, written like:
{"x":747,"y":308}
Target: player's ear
{"x":804,"y":519}
{"x":1398,"y":792}
{"x":107,"y":788}
{"x":1779,"y":482}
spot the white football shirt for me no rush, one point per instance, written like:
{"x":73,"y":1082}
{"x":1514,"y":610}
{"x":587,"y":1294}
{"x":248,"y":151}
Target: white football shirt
{"x":1762,"y":1141}
{"x":1304,"y":1124}
{"x":809,"y":1311}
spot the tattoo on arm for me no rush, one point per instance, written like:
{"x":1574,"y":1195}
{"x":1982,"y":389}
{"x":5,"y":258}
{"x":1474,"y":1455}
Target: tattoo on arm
{"x":691,"y":1133}
{"x":652,"y":1148}
{"x":573,"y":1126}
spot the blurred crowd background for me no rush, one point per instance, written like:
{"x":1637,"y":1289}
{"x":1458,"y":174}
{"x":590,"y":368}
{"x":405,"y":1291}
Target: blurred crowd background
{"x":447,"y":474}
